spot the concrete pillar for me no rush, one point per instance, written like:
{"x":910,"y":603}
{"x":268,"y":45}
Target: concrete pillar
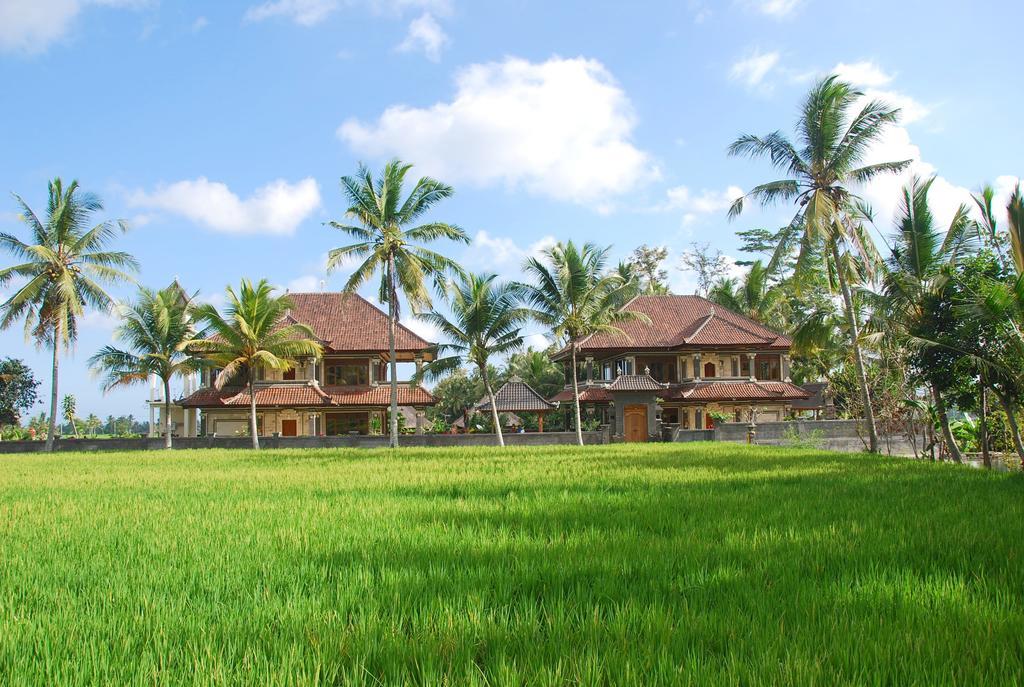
{"x":419,"y":420}
{"x":750,"y":367}
{"x":785,"y":368}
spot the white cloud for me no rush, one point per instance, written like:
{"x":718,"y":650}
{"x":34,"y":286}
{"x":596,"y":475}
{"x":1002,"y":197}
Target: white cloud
{"x":425,"y":35}
{"x":199,"y":24}
{"x":502,"y":254}
{"x":870,"y":78}
{"x":307,"y":283}
{"x":302,"y":12}
{"x":30,"y":26}
{"x":312,"y":12}
{"x":560,"y":128}
{"x":777,"y":8}
{"x":277,"y":208}
{"x":751,"y":71}
{"x":696,"y":205}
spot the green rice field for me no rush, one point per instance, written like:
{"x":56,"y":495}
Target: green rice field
{"x":704,"y":564}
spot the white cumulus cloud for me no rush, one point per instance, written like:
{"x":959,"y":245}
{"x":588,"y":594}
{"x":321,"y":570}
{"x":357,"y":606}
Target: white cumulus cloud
{"x":560,"y":128}
{"x":312,"y":12}
{"x":31,"y":26}
{"x":751,"y":71}
{"x":425,"y":35}
{"x":276,"y":208}
{"x":777,"y":8}
{"x":695,"y":205}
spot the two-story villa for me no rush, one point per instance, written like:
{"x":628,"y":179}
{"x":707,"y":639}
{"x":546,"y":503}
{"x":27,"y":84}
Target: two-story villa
{"x":691,"y":359}
{"x":346,"y":391}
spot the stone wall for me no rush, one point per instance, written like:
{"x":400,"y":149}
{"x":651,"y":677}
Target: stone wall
{"x":833,"y":435}
{"x":420,"y":440}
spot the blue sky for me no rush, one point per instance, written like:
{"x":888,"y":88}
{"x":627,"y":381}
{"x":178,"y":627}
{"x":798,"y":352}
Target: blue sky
{"x":219,"y":130}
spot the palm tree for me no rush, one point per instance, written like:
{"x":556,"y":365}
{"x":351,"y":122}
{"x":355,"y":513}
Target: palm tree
{"x":574,"y":295}
{"x":832,"y":145}
{"x":158,"y":329}
{"x":754,"y":296}
{"x":485,"y":322}
{"x":65,"y":266}
{"x":92,"y":423}
{"x":918,"y":268}
{"x":388,"y":244}
{"x":68,"y":410}
{"x":253,"y":333}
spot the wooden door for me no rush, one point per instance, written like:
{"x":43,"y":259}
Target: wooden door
{"x":289,"y":428}
{"x":635,"y":422}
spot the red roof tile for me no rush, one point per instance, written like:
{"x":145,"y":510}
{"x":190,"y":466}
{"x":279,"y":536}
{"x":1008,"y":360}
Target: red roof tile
{"x":685,"y":322}
{"x":736,"y":391}
{"x":644,"y":382}
{"x":590,"y":395}
{"x":348,"y":322}
{"x":305,"y":395}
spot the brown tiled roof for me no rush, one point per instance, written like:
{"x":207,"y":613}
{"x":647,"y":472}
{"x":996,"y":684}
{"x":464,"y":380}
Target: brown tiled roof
{"x":349,"y":322}
{"x":590,"y":395}
{"x":816,"y":393}
{"x":735,"y":391}
{"x":685,"y":322}
{"x":306,"y":395}
{"x":644,"y":382}
{"x":516,"y":396}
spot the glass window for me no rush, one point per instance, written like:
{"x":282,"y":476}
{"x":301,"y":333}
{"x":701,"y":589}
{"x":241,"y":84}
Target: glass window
{"x":347,"y":374}
{"x":346,"y":423}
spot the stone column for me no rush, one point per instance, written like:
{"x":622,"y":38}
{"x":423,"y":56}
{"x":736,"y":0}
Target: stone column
{"x":785,"y":368}
{"x":750,"y":367}
{"x":419,"y":365}
{"x":419,"y":420}
{"x":696,"y":367}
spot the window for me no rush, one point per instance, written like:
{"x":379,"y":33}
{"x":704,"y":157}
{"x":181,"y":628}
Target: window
{"x":768,"y":367}
{"x":347,"y":423}
{"x":347,"y":374}
{"x":289,"y":375}
{"x":606,"y":371}
{"x":683,"y":367}
{"x":709,"y":369}
{"x":735,"y":367}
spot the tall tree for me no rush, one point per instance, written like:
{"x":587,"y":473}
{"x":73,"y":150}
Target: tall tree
{"x":916,"y":272}
{"x":68,"y":408}
{"x":825,"y":161}
{"x":753,"y":296}
{"x":647,"y":261}
{"x":254,"y":332}
{"x":486,"y":322}
{"x":573,"y":295}
{"x":66,"y":264}
{"x":157,"y":330}
{"x":18,"y":390}
{"x":708,"y":264}
{"x":388,"y":233}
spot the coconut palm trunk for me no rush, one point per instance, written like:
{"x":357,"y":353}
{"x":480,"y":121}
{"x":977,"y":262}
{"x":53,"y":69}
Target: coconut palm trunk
{"x":392,"y":363}
{"x":858,"y":357}
{"x":947,"y":433}
{"x":167,"y":412}
{"x":494,"y":405}
{"x":252,"y":415}
{"x":986,"y":457}
{"x":52,"y":431}
{"x":1011,"y":418}
{"x":576,"y":396}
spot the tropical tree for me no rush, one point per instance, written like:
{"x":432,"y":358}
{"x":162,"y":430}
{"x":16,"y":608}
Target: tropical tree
{"x":921,"y":262}
{"x":754,"y":296}
{"x":254,"y":332}
{"x":826,"y":160}
{"x":17,"y":390}
{"x":68,"y":412}
{"x":388,"y":233}
{"x":485,"y":322}
{"x":92,"y":424}
{"x":573,"y":295}
{"x":157,"y":330}
{"x":708,"y":264}
{"x":65,"y":266}
{"x":536,"y":369}
{"x":647,"y":263}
